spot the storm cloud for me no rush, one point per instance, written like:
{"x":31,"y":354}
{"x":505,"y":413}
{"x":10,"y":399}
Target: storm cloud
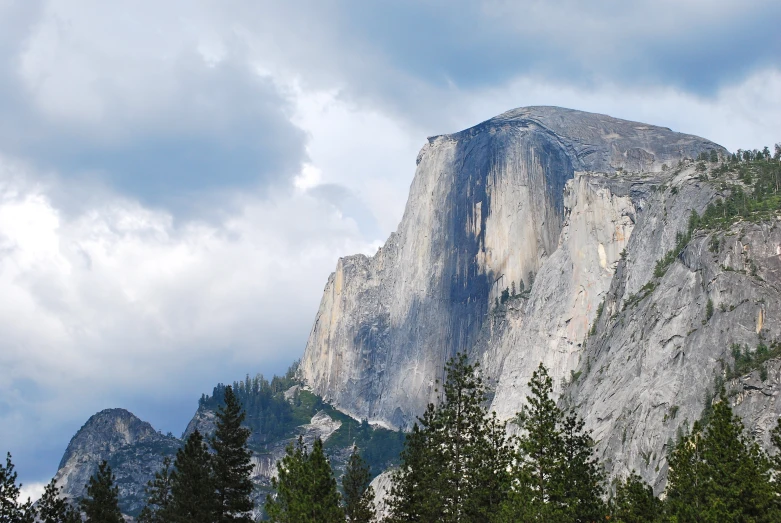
{"x":178,"y":179}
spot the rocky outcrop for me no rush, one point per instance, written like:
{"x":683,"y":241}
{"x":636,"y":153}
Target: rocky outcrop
{"x":134,"y":450}
{"x":382,"y":487}
{"x":657,"y":356}
{"x":490,"y":208}
{"x":580,"y":208}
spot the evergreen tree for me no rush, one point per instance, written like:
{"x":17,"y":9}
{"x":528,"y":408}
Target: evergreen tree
{"x":409,"y":498}
{"x":718,"y":474}
{"x":193,"y":498}
{"x":454,"y":465}
{"x":556,"y":477}
{"x":537,"y":493}
{"x":685,"y":493}
{"x":102,"y":502}
{"x":158,"y":492}
{"x":775,"y":460}
{"x":358,"y":495}
{"x":635,"y":502}
{"x":582,"y":475}
{"x":305,"y":488}
{"x":54,"y":509}
{"x":232,"y":463}
{"x":11,"y":510}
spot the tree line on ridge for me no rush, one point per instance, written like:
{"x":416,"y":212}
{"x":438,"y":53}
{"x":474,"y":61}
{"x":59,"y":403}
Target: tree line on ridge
{"x":459,"y":464}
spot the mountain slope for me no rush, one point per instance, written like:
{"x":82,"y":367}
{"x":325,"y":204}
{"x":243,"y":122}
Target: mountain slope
{"x":132,"y":447}
{"x":485,"y":213}
{"x":275,"y":417}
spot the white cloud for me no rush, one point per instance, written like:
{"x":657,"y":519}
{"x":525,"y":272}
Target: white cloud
{"x":744,"y":115}
{"x":106,"y":301}
{"x":31,"y":491}
{"x":121,"y":302}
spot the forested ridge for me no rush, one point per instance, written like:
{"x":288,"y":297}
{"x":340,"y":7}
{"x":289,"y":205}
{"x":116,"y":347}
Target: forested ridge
{"x":458,"y":464}
{"x":272,"y":417}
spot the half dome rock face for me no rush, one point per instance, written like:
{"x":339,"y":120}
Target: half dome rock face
{"x":489,"y":210}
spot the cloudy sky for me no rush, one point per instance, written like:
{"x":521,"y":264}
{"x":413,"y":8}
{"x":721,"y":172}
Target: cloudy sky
{"x":178,"y":178}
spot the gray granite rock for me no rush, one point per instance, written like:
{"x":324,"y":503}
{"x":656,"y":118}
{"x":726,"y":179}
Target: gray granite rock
{"x":587,"y":205}
{"x":495,"y":205}
{"x":134,"y":450}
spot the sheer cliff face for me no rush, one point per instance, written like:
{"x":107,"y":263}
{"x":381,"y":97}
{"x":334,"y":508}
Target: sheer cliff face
{"x":490,"y":207}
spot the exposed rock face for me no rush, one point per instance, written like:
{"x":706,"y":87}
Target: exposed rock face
{"x":135,"y":452}
{"x":132,"y":447}
{"x":490,"y":207}
{"x":382,"y":487}
{"x":656,"y":355}
{"x":539,"y":191}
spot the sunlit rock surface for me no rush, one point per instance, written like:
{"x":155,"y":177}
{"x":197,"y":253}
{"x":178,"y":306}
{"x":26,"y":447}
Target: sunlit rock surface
{"x":584,"y":205}
{"x":491,"y":207}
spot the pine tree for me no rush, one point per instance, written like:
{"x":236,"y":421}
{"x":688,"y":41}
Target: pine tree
{"x":775,"y":460}
{"x":582,"y":476}
{"x":232,"y":463}
{"x":358,"y":495}
{"x":685,"y":493}
{"x":102,"y":502}
{"x":718,"y":474}
{"x":410,"y":496}
{"x":193,"y":498}
{"x":327,"y":507}
{"x":11,"y":510}
{"x":738,"y":470}
{"x":556,"y":476}
{"x":158,"y":492}
{"x":635,"y":502}
{"x":454,"y":465}
{"x":538,"y":489}
{"x":54,"y":509}
{"x":290,"y":485}
{"x":305,"y":488}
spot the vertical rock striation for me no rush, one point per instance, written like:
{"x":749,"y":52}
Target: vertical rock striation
{"x":490,"y":207}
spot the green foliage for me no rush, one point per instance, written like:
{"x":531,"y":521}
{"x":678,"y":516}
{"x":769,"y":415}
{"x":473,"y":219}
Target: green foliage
{"x":635,"y":502}
{"x":409,"y":499}
{"x":600,"y":310}
{"x":505,"y":296}
{"x":158,"y":492}
{"x":192,"y":485}
{"x":636,"y":298}
{"x":715,"y":244}
{"x":719,"y":474}
{"x":231,"y":463}
{"x":305,"y":488}
{"x":682,"y":239}
{"x":268,"y":414}
{"x":102,"y":502}
{"x":358,"y":495}
{"x":775,"y":459}
{"x":555,"y":475}
{"x":709,"y":309}
{"x":756,"y":196}
{"x":54,"y":509}
{"x":746,"y":361}
{"x":454,"y":463}
{"x":11,"y":510}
